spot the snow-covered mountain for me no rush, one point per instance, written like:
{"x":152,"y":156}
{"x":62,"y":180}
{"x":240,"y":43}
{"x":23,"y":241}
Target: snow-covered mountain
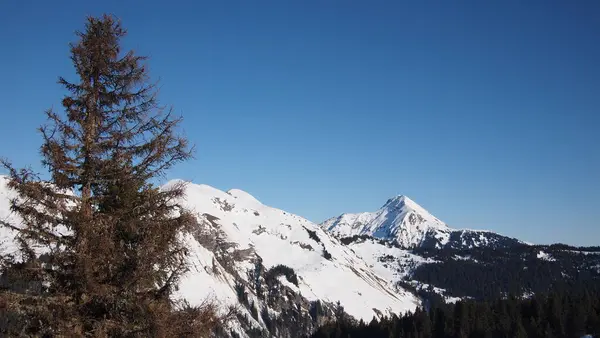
{"x":388,"y":238}
{"x":403,"y":221}
{"x":283,"y":272}
{"x":400,"y":219}
{"x":287,"y":275}
{"x":275,"y":237}
{"x":415,"y":250}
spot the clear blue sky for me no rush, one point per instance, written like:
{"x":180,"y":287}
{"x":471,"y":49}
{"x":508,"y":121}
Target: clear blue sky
{"x":487,"y":113}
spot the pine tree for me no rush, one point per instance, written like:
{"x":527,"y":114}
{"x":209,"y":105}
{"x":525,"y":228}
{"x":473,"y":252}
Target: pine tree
{"x":440,"y":318}
{"x":518,"y":330}
{"x":554,"y":312}
{"x":423,"y":323}
{"x":113,"y":251}
{"x":577,"y":317}
{"x":461,"y":325}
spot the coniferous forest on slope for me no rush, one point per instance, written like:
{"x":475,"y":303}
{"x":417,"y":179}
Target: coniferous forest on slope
{"x":491,"y":272}
{"x":488,"y":273}
{"x":563,"y":313}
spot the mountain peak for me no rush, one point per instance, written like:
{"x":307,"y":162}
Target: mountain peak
{"x":400,"y":219}
{"x":403,"y":202}
{"x":400,"y":201}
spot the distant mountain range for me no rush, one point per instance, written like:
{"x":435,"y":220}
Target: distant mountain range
{"x":288,"y":275}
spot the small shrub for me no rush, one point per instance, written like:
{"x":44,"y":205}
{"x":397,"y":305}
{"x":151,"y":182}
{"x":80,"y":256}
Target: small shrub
{"x":326,"y":254}
{"x":313,"y":235}
{"x":241,"y":293}
{"x":306,"y":246}
{"x":279,"y":270}
{"x":254,"y":311}
{"x":264,"y":314}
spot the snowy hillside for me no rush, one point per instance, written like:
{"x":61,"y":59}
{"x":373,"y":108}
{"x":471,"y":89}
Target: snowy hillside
{"x":395,"y":263}
{"x":277,"y":237}
{"x":271,"y":264}
{"x":405,"y":222}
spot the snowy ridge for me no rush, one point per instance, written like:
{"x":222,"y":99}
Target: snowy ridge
{"x":279,"y":237}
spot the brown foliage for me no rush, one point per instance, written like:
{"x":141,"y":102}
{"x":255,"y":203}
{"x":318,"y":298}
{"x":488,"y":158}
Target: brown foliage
{"x":111,"y":239}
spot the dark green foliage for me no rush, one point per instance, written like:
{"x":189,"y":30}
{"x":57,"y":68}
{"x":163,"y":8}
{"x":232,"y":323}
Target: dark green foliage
{"x":504,"y":266}
{"x":264,"y":314}
{"x":362,"y":238}
{"x":557,"y":314}
{"x":339,"y":313}
{"x":313,"y":235}
{"x":316,"y":310}
{"x":254,"y":275}
{"x":488,"y":273}
{"x":242,"y":295}
{"x":254,"y":310}
{"x":326,"y":254}
{"x":279,"y":270}
{"x":256,"y":333}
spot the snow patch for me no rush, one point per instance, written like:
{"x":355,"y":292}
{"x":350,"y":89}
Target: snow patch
{"x":545,"y":256}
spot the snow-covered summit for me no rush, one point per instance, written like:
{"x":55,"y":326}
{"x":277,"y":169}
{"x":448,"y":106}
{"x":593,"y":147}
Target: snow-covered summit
{"x":404,"y":221}
{"x":404,"y":202}
{"x":400,"y":219}
{"x":241,"y":194}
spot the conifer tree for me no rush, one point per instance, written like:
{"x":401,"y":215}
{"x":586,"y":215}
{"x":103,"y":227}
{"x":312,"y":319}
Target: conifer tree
{"x":111,"y":238}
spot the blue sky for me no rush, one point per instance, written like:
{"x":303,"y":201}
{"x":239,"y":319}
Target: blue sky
{"x":485,"y":113}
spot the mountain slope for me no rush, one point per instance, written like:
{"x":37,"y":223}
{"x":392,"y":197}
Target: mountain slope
{"x":278,"y":237}
{"x":281,"y":271}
